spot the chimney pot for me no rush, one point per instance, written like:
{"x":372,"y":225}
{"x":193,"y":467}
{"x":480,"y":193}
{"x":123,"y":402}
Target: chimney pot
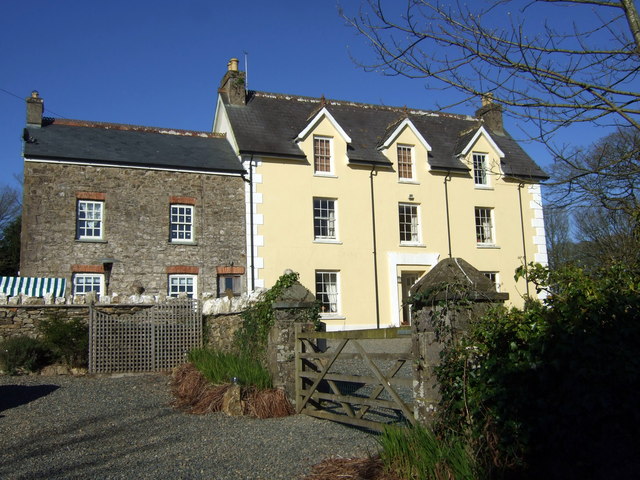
{"x":487,"y":99}
{"x":233,"y":65}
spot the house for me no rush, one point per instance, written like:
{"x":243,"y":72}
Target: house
{"x":123,"y":209}
{"x":362,"y":200}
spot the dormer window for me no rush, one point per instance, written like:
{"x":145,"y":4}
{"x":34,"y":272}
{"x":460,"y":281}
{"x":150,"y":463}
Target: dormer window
{"x":480,"y":170}
{"x":322,"y":161}
{"x":405,"y":162}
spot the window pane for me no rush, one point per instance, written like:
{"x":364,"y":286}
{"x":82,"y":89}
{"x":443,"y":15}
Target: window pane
{"x":408,"y":221}
{"x":405,"y":163}
{"x":89,"y":219}
{"x":181,"y":223}
{"x":85,"y":283}
{"x":484,"y":226}
{"x":322,"y":154}
{"x":324,"y":218}
{"x":182,"y":284}
{"x":327,"y":291}
{"x":480,"y":169}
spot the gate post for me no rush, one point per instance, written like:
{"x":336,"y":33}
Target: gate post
{"x":449,"y":297}
{"x":294,"y":306}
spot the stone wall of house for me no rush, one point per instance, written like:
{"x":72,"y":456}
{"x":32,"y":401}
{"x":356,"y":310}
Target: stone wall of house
{"x":136,"y":225}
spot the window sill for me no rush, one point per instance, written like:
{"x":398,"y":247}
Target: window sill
{"x":419,"y":245}
{"x":487,"y":246}
{"x":334,"y":316}
{"x":182,"y":243}
{"x":329,"y":241}
{"x":325,"y":175}
{"x":408,"y":181}
{"x":90,"y":240}
{"x":483,"y":187}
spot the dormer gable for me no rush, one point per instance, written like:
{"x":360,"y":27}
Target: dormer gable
{"x":318,"y":117}
{"x":393,"y":136}
{"x":480,"y":132}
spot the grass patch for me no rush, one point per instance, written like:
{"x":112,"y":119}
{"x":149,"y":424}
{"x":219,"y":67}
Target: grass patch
{"x":416,"y":453}
{"x":220,"y":368}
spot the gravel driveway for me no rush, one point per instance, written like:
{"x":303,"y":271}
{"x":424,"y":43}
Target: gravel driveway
{"x":112,"y":427}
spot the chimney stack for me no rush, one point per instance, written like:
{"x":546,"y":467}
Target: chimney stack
{"x":35,"y":108}
{"x":491,"y":114}
{"x":233,"y":84}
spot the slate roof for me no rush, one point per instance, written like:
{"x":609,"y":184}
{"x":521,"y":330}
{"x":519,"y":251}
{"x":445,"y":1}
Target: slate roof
{"x":269,"y":123}
{"x":130,"y":145}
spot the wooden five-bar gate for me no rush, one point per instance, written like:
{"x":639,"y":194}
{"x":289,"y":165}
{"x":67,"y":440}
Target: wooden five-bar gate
{"x":155,"y":339}
{"x":364,"y":377}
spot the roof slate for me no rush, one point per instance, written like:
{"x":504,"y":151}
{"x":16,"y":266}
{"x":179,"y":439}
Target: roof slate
{"x":269,"y":123}
{"x":129,"y":145}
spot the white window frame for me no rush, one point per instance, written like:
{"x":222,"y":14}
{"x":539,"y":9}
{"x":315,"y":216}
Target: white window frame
{"x":481,"y":226}
{"x":325,"y":290}
{"x":409,"y":149}
{"x":480,"y":170}
{"x":414,"y":226}
{"x":183,"y":227}
{"x":329,"y":140}
{"x":91,"y":221}
{"x":494,"y":277}
{"x":97,"y":280}
{"x":181,"y":277}
{"x":328,"y":221}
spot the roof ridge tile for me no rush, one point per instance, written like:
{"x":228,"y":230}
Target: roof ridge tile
{"x":136,"y":128}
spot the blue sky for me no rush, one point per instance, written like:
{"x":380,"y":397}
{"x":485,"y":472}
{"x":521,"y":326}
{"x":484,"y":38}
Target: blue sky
{"x":158,"y":63}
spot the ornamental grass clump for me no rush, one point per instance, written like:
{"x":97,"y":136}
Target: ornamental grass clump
{"x":416,"y":453}
{"x":201,"y":386}
{"x":220,"y":367}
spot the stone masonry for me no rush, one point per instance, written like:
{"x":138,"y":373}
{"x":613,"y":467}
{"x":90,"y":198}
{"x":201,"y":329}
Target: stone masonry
{"x":136,"y":224}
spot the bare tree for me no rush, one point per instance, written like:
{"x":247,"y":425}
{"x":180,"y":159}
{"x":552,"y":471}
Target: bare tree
{"x":557,"y":226}
{"x":550,"y":65}
{"x":605,"y":174}
{"x":10,"y":206}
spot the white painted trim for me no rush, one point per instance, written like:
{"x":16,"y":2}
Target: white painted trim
{"x":112,"y":165}
{"x":258,"y":219}
{"x":222,"y":124}
{"x":397,"y":258}
{"x":311,"y":125}
{"x":482,"y":131}
{"x":405,"y":123}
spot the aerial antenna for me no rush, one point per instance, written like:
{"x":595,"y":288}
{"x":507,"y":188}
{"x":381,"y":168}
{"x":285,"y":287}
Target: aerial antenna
{"x":246,"y":72}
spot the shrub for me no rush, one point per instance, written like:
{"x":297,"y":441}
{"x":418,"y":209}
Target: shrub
{"x":220,"y":368}
{"x":550,"y":391}
{"x":67,"y":339}
{"x":416,"y":453}
{"x":251,"y":338}
{"x":23,"y":354}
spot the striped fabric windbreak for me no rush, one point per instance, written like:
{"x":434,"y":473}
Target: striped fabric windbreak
{"x":32,"y":286}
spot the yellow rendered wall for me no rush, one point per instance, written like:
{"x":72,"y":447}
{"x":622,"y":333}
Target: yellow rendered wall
{"x":286,"y":191}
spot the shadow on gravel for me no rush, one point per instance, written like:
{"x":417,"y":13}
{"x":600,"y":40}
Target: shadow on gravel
{"x":12,"y":396}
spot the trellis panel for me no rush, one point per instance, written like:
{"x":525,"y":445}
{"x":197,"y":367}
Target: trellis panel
{"x":156,"y":339}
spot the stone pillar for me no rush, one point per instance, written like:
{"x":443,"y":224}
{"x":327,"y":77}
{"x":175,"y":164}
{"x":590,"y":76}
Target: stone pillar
{"x":426,"y":350}
{"x":293,"y":306}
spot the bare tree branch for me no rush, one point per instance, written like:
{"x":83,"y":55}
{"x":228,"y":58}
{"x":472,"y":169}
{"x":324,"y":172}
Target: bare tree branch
{"x":562,"y":73}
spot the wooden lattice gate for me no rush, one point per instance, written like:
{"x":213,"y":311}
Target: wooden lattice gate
{"x":155,"y":339}
{"x":364,"y":379}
